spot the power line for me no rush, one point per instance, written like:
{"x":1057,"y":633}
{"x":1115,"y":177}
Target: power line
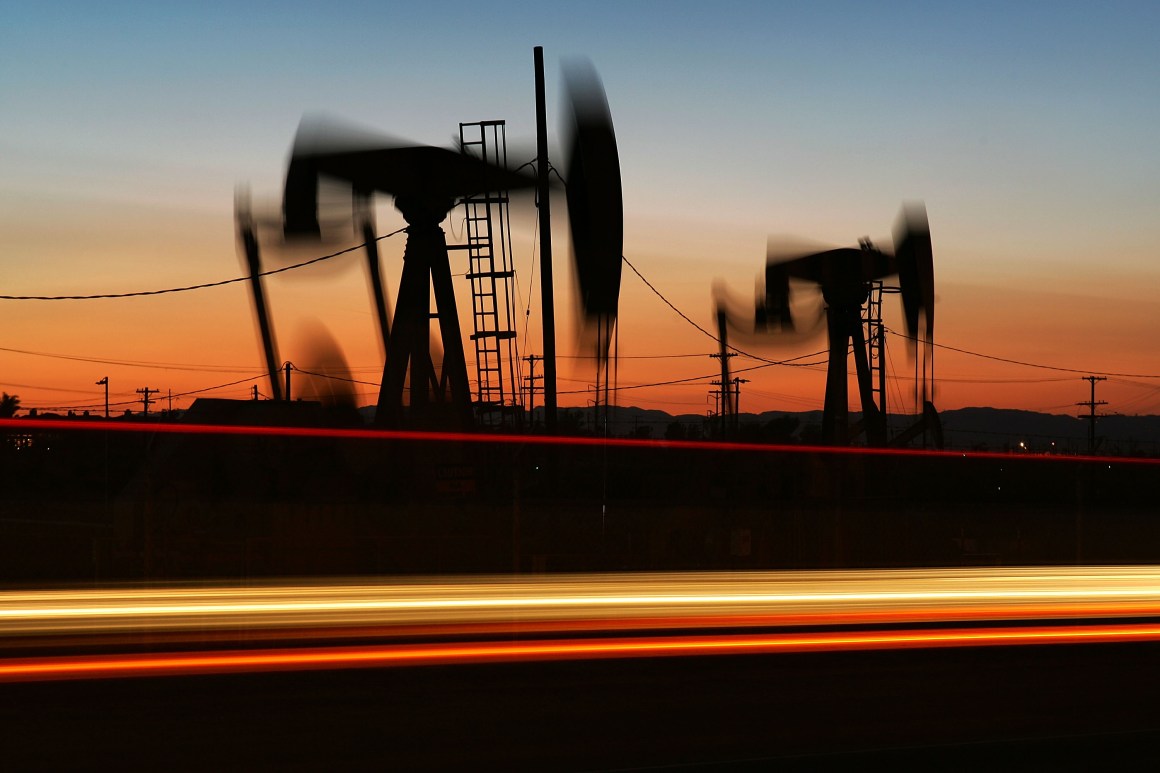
{"x":337,"y":378}
{"x":632,"y":356}
{"x":132,"y":363}
{"x":201,"y":286}
{"x":133,"y":402}
{"x":714,"y":338}
{"x":221,"y":386}
{"x":84,"y":406}
{"x":10,"y":385}
{"x":900,"y":335}
{"x":699,"y":378}
{"x":964,"y":380}
{"x":1021,"y":362}
{"x":668,"y":303}
{"x":643,"y":386}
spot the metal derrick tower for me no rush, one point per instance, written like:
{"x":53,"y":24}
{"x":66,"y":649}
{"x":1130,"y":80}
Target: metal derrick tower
{"x":490,"y":274}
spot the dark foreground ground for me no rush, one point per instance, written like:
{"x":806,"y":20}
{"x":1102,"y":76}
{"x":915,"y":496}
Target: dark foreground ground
{"x":1061,"y":707}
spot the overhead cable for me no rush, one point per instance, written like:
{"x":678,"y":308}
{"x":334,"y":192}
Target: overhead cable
{"x":790,"y":362}
{"x":186,"y":288}
{"x":1022,"y":362}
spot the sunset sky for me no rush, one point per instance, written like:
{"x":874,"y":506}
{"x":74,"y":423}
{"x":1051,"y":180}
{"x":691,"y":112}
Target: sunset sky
{"x":1028,"y":129}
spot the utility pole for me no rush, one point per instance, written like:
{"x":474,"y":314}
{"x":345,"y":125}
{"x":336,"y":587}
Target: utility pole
{"x":716,"y":395}
{"x":532,"y":378}
{"x":726,"y":407}
{"x":728,"y":398}
{"x":1091,"y":416}
{"x":170,"y":402}
{"x":105,"y":383}
{"x":146,"y":399}
{"x":547,"y":291}
{"x":255,"y":388}
{"x":287,"y":367}
{"x":737,"y":382}
{"x":724,"y":355}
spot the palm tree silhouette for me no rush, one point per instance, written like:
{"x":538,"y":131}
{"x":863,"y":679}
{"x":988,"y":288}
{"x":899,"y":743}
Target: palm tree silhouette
{"x":9,"y":405}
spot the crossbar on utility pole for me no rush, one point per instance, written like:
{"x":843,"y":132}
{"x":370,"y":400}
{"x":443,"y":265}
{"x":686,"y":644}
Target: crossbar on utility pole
{"x":737,"y":381}
{"x":1091,"y":416}
{"x":532,"y":378}
{"x":146,"y":399}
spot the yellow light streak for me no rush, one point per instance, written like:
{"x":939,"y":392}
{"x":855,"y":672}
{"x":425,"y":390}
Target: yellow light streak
{"x":590,"y":601}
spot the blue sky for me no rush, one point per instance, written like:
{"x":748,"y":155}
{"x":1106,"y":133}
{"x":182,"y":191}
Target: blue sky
{"x":1028,"y":129}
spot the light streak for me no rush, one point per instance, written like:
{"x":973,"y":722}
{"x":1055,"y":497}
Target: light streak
{"x":768,"y":598}
{"x":411,"y":620}
{"x":97,"y":425}
{"x":184,"y":664}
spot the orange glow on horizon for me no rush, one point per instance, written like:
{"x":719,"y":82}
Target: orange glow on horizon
{"x":214,"y":336}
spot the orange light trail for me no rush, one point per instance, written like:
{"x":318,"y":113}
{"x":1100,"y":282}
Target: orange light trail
{"x":409,"y":622}
{"x":185,"y":664}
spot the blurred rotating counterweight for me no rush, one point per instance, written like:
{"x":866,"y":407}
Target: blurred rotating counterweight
{"x":426,"y":183}
{"x":845,"y":277}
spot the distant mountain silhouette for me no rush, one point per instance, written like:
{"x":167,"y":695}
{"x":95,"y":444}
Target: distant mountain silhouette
{"x":976,"y":428}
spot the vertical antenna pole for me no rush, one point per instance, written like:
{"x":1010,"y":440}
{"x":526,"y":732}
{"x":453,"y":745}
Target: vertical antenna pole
{"x":546,"y":288}
{"x":105,"y":381}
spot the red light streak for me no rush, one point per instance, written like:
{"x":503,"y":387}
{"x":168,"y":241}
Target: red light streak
{"x":381,"y":656}
{"x":57,"y":425}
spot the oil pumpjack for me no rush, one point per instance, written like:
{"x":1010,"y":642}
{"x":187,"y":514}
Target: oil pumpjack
{"x":426,"y":183}
{"x":846,"y":277}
